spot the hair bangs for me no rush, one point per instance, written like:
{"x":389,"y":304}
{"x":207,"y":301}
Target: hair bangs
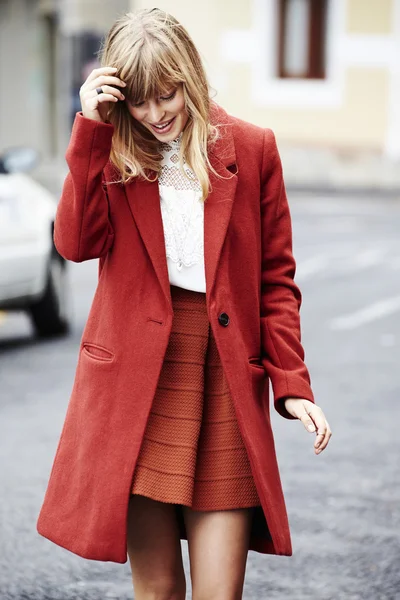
{"x":151,"y":72}
{"x":153,"y":54}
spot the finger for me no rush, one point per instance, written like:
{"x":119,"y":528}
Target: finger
{"x":106,"y":98}
{"x":105,"y":80}
{"x":319,"y":443}
{"x":109,"y":89}
{"x":100,"y":71}
{"x":323,"y":440}
{"x":319,"y":421}
{"x":318,"y":417}
{"x":88,"y":88}
{"x":326,"y":438}
{"x":308,"y":420}
{"x":94,"y":102}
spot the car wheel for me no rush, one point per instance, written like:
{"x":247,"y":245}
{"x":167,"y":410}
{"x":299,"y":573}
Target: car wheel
{"x":50,"y":314}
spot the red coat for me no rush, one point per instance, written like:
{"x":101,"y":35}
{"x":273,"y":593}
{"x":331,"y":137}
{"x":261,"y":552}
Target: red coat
{"x":249,"y":270}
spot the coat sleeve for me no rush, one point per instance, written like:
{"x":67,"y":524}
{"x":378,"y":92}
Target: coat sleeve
{"x":282,"y":352}
{"x":82,"y":228}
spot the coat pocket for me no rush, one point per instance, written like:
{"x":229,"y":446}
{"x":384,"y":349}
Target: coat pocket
{"x":255,"y":361}
{"x":97,"y":352}
{"x":259,"y":383}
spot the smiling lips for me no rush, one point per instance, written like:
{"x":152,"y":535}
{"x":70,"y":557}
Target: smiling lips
{"x":165,"y":127}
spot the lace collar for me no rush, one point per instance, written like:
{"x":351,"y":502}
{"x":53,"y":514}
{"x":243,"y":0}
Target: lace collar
{"x":172,"y":145}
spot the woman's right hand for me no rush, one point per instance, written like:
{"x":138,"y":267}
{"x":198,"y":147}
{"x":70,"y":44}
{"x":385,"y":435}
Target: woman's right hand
{"x":96,"y":106}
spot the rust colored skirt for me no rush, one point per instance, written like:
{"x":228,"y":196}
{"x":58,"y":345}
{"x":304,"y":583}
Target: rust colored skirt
{"x":192,"y":452}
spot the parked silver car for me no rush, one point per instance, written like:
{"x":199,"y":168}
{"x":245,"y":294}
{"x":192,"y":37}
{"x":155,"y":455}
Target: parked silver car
{"x":33,"y":276}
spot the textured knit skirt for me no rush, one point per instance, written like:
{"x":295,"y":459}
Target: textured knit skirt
{"x":192,"y":452}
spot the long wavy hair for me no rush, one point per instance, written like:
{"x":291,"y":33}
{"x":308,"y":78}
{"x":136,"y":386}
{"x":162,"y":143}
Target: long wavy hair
{"x":152,"y":52}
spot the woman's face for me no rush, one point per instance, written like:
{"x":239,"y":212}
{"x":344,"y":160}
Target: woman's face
{"x":165,"y":116}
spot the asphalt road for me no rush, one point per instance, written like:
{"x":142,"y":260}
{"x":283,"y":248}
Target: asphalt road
{"x":343,"y":505}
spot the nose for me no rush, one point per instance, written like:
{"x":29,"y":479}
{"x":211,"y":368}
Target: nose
{"x":156,"y":113}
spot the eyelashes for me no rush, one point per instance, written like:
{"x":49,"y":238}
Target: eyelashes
{"x":170,"y":96}
{"x":163,"y":98}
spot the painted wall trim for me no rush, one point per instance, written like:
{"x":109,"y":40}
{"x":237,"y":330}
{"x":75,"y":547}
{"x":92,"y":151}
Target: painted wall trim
{"x":268,"y":90}
{"x":357,"y":50}
{"x":256,"y":47}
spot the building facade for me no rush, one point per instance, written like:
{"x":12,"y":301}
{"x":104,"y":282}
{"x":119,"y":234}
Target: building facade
{"x":323,"y":74}
{"x":46,"y":47}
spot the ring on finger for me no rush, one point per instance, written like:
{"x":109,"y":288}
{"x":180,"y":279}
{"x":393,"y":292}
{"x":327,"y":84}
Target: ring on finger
{"x":99,"y":90}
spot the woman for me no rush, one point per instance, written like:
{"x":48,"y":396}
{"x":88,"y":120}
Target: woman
{"x":167,"y":434}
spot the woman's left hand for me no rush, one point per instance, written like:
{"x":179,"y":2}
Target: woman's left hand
{"x":313,"y":420}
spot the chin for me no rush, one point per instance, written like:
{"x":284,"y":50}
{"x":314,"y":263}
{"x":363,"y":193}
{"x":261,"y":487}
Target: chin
{"x":171,"y":136}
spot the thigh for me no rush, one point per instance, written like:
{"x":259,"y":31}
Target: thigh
{"x":218,"y":544}
{"x":154,"y":549}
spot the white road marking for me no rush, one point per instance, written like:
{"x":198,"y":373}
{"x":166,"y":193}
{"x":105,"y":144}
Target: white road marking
{"x":327,"y":205}
{"x":311,"y":267}
{"x":375,"y":311}
{"x":345,"y":260}
{"x":363,"y":260}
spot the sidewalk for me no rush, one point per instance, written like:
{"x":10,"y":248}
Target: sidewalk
{"x":311,"y":170}
{"x":320,"y":170}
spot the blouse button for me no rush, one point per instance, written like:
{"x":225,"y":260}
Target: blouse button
{"x":179,"y":265}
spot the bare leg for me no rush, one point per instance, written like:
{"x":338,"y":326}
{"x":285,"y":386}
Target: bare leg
{"x":154,"y":550}
{"x":218,"y":547}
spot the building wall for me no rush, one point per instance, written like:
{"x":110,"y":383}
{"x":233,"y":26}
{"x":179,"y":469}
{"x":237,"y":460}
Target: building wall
{"x":350,"y":126}
{"x":24,"y":80}
{"x":356,"y":107}
{"x":37,"y":40}
{"x":89,"y":15}
{"x":373,"y":17}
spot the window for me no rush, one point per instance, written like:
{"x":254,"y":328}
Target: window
{"x":302,"y":39}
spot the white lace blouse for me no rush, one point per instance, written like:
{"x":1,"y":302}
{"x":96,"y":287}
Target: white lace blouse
{"x":182,"y":213}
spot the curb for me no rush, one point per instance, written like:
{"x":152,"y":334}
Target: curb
{"x":356,"y":192}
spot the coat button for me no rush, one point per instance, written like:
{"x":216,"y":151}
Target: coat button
{"x":223,"y":318}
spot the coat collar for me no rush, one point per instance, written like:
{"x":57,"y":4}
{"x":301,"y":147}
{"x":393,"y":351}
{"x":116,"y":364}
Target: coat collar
{"x":144,"y":202}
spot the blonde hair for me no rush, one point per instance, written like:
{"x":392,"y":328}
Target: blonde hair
{"x":152,"y":52}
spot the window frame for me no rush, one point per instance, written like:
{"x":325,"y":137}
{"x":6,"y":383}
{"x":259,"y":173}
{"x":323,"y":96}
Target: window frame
{"x":316,"y":47}
{"x":269,"y":90}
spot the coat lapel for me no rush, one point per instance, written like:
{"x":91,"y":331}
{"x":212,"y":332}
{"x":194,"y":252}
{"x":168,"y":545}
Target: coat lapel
{"x":218,"y":206}
{"x":144,"y":201}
